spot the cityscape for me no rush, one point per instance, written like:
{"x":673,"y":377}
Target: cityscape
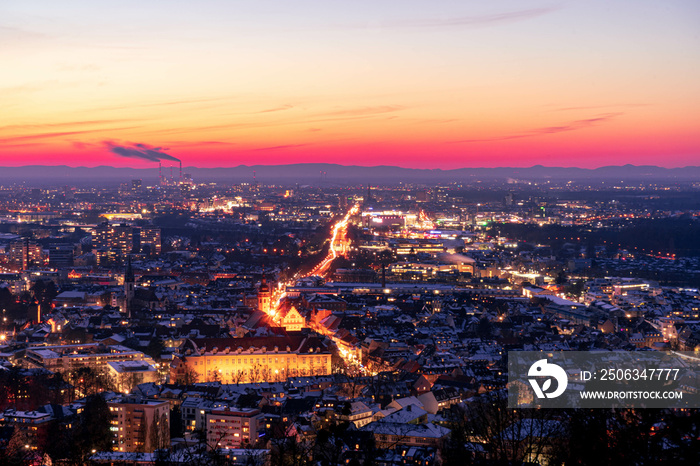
{"x":347,"y":277}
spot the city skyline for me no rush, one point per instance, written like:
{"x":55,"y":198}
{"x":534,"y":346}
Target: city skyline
{"x":414,"y":85}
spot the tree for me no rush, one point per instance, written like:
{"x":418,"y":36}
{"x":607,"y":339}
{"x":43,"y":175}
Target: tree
{"x":290,"y":452}
{"x":15,"y":452}
{"x":329,"y":446}
{"x":254,"y":373}
{"x":176,"y":427}
{"x":238,"y":376}
{"x":189,"y":376}
{"x":126,"y":381}
{"x":265,"y":373}
{"x":155,"y":348}
{"x":93,"y":428}
{"x":513,"y":435}
{"x":484,"y":328}
{"x":88,"y":381}
{"x":44,"y":291}
{"x":561,"y":278}
{"x":142,"y":428}
{"x":157,"y":432}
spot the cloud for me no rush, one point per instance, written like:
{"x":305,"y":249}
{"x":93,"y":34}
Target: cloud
{"x":276,"y":109}
{"x":571,"y":126}
{"x":591,"y":107}
{"x":140,"y":151}
{"x":577,"y":124}
{"x":201,"y":143}
{"x":60,"y":125}
{"x":364,"y":111}
{"x":341,"y":114}
{"x":480,"y":20}
{"x":56,"y":134}
{"x":8,"y":33}
{"x":82,"y":145}
{"x":34,"y":87}
{"x":286,"y":146}
{"x":77,"y":67}
{"x":438,"y":120}
{"x":162,"y":103}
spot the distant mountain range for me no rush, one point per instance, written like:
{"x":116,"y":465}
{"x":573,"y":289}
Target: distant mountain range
{"x":334,"y":174}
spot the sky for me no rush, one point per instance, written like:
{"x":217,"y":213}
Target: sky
{"x":412,"y":83}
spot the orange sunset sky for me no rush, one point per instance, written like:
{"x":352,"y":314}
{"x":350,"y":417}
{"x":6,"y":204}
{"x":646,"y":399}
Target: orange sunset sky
{"x":439,"y":84}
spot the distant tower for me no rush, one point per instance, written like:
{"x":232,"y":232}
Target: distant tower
{"x":264,"y":297}
{"x":368,"y":201}
{"x":129,"y":282}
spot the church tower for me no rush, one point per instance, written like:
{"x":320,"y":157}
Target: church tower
{"x":264,"y":296}
{"x":129,"y":282}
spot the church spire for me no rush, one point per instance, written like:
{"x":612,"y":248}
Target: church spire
{"x":129,"y":291}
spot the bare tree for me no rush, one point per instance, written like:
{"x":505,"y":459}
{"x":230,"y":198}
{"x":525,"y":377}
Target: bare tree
{"x":290,"y":452}
{"x":254,"y":373}
{"x":238,"y":376}
{"x":265,"y":373}
{"x":188,"y":377}
{"x":515,"y":435}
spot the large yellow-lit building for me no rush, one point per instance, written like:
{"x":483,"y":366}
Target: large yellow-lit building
{"x":250,"y":359}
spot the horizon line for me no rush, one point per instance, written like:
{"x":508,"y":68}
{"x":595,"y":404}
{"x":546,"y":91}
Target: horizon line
{"x":359,"y":166}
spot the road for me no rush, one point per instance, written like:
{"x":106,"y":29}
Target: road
{"x":339,"y":244}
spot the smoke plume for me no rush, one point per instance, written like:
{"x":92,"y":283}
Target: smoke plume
{"x":140,"y":151}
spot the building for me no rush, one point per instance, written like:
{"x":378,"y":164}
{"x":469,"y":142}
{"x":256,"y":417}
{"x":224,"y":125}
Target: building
{"x":150,"y":240}
{"x":61,"y":254}
{"x":391,"y":435}
{"x":140,"y":425}
{"x":25,"y":253}
{"x":291,"y":320}
{"x":113,"y":242}
{"x":234,"y":428}
{"x":250,"y":359}
{"x":264,"y":297}
{"x":33,"y":426}
{"x":128,"y":374}
{"x":122,"y":239}
{"x":66,"y":358}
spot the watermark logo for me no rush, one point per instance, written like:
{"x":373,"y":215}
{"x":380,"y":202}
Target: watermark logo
{"x":542,"y":368}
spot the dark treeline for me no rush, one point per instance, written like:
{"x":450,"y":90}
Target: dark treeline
{"x":679,"y":236}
